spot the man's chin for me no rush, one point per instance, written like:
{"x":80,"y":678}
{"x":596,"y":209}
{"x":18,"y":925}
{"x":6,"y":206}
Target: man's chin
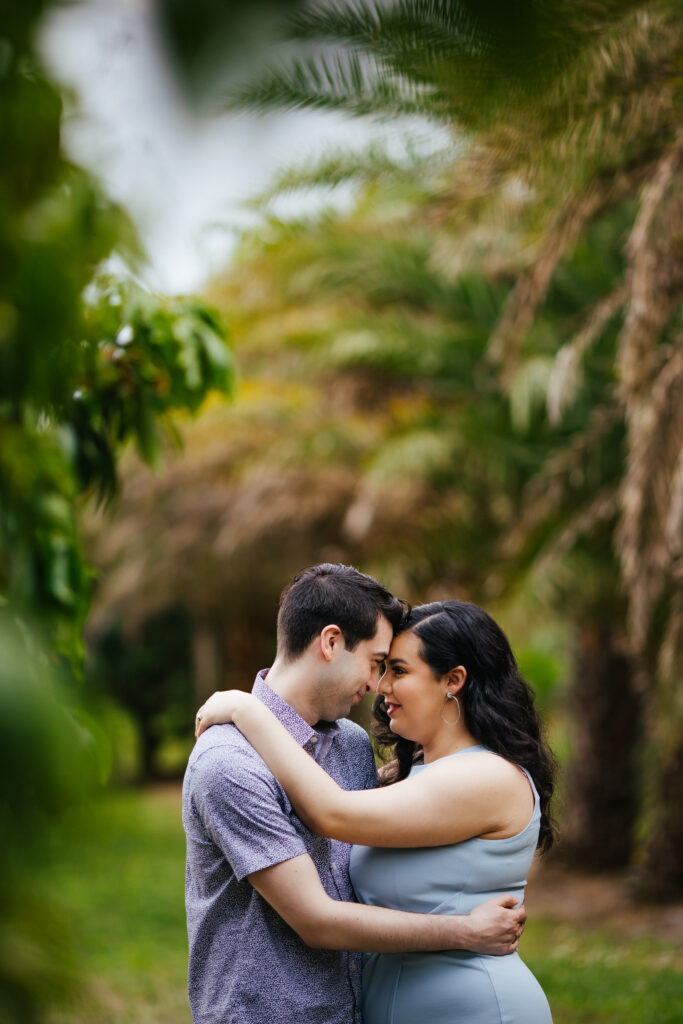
{"x":344,"y":710}
{"x":348,"y":708}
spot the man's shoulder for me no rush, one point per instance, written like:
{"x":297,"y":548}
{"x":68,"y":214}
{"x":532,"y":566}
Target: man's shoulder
{"x":223,"y":752}
{"x":353,"y":734}
{"x":357,"y":757}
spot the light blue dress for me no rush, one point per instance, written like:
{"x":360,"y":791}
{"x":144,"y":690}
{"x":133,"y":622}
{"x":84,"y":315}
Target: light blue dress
{"x":452,"y":987}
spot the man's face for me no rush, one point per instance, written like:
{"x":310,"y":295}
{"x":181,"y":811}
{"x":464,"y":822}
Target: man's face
{"x":354,"y":673}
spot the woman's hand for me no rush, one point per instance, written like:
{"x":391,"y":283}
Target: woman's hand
{"x":308,"y":786}
{"x":220,"y":707}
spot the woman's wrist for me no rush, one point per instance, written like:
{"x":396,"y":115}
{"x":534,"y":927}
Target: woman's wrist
{"x":240,"y":714}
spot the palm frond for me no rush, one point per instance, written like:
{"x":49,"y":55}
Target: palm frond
{"x":602,"y":508}
{"x":566,"y":373}
{"x":674,"y":519}
{"x":532,"y":286}
{"x":656,"y":270}
{"x":343,"y":81}
{"x":655,"y":443}
{"x":341,"y":166}
{"x":563,"y":476}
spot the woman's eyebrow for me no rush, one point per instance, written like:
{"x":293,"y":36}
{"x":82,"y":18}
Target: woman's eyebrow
{"x":397,"y":661}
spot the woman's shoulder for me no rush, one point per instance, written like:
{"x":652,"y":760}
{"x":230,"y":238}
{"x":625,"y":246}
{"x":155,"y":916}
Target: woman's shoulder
{"x":483,"y":766}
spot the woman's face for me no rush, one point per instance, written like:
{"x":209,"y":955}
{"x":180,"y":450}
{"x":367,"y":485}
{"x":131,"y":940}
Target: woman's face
{"x":413,"y":696}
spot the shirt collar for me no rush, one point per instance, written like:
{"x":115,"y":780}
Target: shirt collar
{"x":295,"y":725}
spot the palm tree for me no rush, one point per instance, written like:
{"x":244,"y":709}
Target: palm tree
{"x":575,"y":109}
{"x":369,"y":428}
{"x":357,"y":365}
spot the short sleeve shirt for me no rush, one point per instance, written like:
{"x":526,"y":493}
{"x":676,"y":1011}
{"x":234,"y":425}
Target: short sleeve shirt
{"x":246,"y":965}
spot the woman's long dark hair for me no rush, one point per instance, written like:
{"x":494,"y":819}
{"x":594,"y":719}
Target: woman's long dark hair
{"x":497,"y":704}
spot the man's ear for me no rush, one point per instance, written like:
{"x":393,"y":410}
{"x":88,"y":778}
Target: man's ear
{"x":331,"y":640}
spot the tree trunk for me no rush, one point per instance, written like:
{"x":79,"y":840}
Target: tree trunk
{"x":662,"y":876}
{"x":606,"y":711}
{"x":148,"y":749}
{"x":206,"y":659}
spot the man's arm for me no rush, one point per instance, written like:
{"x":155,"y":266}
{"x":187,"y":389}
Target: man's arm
{"x":294,"y":890}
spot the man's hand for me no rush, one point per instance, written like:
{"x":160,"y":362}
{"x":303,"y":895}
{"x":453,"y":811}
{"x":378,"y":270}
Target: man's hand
{"x":496,"y":926}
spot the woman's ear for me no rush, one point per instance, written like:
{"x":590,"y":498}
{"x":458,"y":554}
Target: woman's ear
{"x":455,"y":679}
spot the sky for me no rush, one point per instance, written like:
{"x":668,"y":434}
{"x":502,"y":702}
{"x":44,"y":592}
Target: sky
{"x":182,"y":177}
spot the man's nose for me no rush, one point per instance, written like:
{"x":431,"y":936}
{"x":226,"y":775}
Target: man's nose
{"x":382,"y":684}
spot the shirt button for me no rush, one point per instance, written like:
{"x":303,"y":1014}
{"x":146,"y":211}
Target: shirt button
{"x":314,"y":739}
{"x":354,"y":968}
{"x":333,"y":865}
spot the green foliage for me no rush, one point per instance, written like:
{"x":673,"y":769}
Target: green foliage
{"x":527,"y":69}
{"x":143,"y":358}
{"x":568,"y":122}
{"x":135,"y":359}
{"x":88,"y":363}
{"x":211,"y":40}
{"x":378,"y":309}
{"x":49,"y":762}
{"x":150,"y":676}
{"x":79,"y":376}
{"x":543,"y":671}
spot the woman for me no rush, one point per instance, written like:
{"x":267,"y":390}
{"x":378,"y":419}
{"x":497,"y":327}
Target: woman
{"x":461,"y":809}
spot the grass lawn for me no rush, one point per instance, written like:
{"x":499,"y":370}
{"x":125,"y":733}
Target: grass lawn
{"x":122,"y":881}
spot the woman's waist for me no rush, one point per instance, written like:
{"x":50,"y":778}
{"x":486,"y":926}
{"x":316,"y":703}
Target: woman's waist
{"x":465,"y":901}
{"x":441,"y":901}
{"x":376,"y":965}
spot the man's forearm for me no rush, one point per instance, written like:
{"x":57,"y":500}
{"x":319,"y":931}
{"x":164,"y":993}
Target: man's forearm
{"x":360,"y":928}
{"x":294,"y":891}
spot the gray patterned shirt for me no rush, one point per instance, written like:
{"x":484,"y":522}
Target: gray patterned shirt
{"x":247,"y":966}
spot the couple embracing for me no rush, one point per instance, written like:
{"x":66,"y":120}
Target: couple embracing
{"x":317,"y":892}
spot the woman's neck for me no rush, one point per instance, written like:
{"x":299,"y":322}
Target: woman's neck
{"x":451,"y":740}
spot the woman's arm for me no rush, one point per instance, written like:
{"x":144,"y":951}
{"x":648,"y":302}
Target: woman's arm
{"x":453,"y":800}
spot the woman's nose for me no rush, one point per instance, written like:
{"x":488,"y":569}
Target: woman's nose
{"x":382,"y":684}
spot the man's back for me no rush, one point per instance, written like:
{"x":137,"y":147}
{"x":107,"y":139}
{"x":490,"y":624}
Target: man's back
{"x":247,"y":966}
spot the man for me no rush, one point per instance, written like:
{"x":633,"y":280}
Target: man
{"x":269,"y":939}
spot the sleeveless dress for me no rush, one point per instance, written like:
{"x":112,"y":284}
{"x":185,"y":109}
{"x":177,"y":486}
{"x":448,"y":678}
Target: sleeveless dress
{"x":451,"y":987}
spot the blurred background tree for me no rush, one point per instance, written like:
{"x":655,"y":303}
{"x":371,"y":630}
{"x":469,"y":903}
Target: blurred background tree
{"x":495,"y":339}
{"x":469,"y":382}
{"x":88,"y":361}
{"x":577,"y":109}
{"x":370,"y":427}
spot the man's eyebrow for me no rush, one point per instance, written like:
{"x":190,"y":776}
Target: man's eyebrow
{"x":381,"y":655}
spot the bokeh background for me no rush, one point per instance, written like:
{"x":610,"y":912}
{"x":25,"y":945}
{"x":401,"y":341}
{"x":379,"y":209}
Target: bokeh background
{"x":431,"y":265}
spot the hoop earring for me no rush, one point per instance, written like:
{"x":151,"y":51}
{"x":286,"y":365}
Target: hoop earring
{"x":449,"y":696}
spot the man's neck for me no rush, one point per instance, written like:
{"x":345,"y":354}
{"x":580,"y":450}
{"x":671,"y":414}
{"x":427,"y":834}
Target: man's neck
{"x":293,"y":682}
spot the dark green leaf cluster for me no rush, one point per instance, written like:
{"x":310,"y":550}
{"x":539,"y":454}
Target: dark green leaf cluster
{"x":88,"y":363}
